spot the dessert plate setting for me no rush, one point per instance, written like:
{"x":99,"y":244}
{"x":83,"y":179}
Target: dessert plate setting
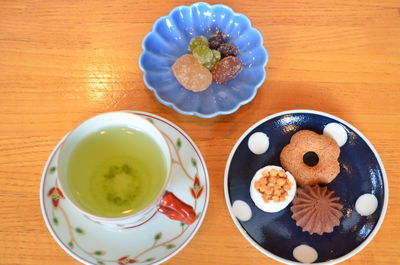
{"x":152,"y":242}
{"x":357,"y":195}
{"x":169,"y":40}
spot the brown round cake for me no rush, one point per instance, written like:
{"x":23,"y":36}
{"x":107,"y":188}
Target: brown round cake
{"x":316,"y":209}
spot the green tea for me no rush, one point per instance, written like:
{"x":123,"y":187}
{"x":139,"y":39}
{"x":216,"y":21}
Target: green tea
{"x":116,"y":172}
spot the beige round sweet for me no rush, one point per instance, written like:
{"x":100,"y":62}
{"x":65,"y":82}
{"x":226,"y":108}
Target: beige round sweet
{"x":191,"y":74}
{"x":308,"y":141}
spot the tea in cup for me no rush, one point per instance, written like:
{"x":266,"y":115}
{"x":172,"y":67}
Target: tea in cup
{"x":115,"y":169}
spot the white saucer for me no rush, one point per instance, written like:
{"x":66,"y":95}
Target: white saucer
{"x":154,"y":242}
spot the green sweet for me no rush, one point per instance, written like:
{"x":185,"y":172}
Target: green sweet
{"x":214,"y":60}
{"x":203,"y":54}
{"x":197,"y":42}
{"x":206,"y":56}
{"x":217,"y":56}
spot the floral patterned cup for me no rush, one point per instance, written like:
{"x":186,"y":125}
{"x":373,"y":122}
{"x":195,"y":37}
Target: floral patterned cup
{"x":165,"y":202}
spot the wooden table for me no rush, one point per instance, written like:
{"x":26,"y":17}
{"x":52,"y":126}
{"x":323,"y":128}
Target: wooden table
{"x":64,"y":61}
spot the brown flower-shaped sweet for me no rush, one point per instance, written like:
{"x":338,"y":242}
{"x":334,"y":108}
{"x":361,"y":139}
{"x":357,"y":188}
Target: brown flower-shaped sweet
{"x":311,"y":158}
{"x":316,"y":209}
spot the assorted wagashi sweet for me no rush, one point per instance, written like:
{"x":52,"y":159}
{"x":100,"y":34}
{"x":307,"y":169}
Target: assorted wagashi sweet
{"x":309,"y":161}
{"x":316,"y":209}
{"x":191,"y":74}
{"x":272,"y":189}
{"x":312,"y":158}
{"x":211,"y":59}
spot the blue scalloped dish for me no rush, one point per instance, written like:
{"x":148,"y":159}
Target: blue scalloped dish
{"x":276,"y":234}
{"x":169,"y":40}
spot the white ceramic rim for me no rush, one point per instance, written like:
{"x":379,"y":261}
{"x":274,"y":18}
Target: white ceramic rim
{"x":273,"y":256}
{"x":179,"y":248}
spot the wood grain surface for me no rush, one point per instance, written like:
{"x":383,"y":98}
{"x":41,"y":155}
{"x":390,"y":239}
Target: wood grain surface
{"x":62,"y":62}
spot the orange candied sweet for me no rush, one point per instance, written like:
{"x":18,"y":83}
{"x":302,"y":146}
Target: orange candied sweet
{"x":273,"y":185}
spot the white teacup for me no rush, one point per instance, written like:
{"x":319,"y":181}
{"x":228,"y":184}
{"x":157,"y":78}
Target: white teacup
{"x":164,"y":202}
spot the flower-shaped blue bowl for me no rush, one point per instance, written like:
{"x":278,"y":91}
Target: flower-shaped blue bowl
{"x":169,"y":40}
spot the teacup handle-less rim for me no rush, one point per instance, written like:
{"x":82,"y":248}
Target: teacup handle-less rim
{"x":94,"y":124}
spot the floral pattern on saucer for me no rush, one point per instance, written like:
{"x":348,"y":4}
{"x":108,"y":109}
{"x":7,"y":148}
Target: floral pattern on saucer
{"x":153,"y":242}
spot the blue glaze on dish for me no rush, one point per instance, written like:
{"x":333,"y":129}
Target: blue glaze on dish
{"x":277,"y":232}
{"x":169,"y":40}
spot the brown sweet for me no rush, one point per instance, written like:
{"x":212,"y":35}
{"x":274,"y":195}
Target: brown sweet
{"x":316,"y":210}
{"x":227,"y":49}
{"x":226,"y":69}
{"x":323,"y":170}
{"x":217,"y":39}
{"x":191,"y":74}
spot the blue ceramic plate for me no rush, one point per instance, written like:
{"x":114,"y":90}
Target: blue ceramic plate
{"x":169,"y":40}
{"x":276,"y":234}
